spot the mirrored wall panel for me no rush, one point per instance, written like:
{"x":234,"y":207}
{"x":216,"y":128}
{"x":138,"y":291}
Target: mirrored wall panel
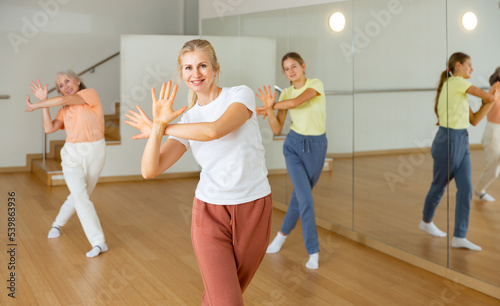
{"x":472,"y":29}
{"x":327,"y":56}
{"x":380,"y":69}
{"x":399,"y":53}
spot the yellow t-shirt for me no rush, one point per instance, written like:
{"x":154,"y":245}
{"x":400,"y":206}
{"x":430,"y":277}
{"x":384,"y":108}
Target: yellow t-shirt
{"x":309,"y":118}
{"x":456,"y":115}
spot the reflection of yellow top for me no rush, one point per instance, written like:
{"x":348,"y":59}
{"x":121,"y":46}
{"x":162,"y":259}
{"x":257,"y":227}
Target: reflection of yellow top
{"x":455,"y":98}
{"x":309,"y":118}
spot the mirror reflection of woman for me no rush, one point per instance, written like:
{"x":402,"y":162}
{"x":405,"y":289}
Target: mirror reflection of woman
{"x":304,"y":148}
{"x":450,"y":148}
{"x":84,"y":151}
{"x":491,"y":144}
{"x":232,"y":207}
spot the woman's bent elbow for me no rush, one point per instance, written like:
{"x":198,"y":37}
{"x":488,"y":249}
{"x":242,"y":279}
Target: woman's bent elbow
{"x":147,"y":177}
{"x":212,"y":134}
{"x":277,"y":131}
{"x":148,"y":174}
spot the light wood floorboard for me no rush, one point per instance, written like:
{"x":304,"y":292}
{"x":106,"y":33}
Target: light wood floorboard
{"x":151,"y":261}
{"x":392,"y":214}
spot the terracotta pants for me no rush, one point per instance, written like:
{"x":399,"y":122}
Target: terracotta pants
{"x":230,"y":242}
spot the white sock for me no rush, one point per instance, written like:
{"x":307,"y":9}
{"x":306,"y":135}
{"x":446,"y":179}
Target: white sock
{"x":484,"y":196}
{"x":55,"y":231}
{"x":275,"y":246}
{"x":431,"y":229}
{"x":98,"y":249}
{"x":464,"y":243}
{"x":312,"y":263}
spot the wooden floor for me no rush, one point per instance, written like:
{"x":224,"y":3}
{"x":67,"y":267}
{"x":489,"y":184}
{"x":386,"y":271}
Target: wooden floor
{"x":151,"y":261}
{"x":385,"y":202}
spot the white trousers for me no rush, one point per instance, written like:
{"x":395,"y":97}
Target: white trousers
{"x":491,"y":143}
{"x":82,"y":164}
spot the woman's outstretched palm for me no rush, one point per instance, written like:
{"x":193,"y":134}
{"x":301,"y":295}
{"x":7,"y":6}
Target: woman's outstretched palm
{"x":40,"y":92}
{"x":163,"y":113}
{"x":140,"y":121}
{"x":267,"y":99}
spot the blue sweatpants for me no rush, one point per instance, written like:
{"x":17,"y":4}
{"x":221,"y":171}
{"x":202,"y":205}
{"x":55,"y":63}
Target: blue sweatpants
{"x":459,"y":169}
{"x":304,"y":157}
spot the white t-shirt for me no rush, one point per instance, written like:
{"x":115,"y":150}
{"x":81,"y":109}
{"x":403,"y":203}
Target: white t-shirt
{"x":233,"y":169}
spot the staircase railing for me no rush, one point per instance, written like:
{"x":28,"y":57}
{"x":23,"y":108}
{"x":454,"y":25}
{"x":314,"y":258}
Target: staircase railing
{"x":91,"y":69}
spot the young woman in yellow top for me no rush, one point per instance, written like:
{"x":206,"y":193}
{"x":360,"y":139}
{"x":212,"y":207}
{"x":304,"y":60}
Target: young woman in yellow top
{"x":450,"y":148}
{"x":304,"y":148}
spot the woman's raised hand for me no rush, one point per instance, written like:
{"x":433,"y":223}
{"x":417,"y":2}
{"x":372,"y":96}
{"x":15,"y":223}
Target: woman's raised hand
{"x":261,"y":110}
{"x":40,"y":92}
{"x":163,"y":113}
{"x":29,"y":106}
{"x":140,"y":121}
{"x":266,"y":97}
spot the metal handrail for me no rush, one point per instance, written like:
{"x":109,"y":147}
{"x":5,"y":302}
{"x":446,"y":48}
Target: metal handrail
{"x":371,"y":91}
{"x":90,"y":69}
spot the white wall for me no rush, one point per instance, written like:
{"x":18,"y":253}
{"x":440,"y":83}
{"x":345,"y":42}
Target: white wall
{"x":223,"y":8}
{"x":411,"y":51}
{"x":142,"y":54}
{"x":398,"y":44}
{"x":482,"y":44}
{"x":39,"y":38}
{"x":191,"y":17}
{"x":408,"y":51}
{"x":318,"y":46}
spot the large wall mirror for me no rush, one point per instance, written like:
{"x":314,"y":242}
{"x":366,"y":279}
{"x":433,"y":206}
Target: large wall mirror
{"x":327,"y":55}
{"x":481,"y":44}
{"x":380,"y":74}
{"x":399,"y":53}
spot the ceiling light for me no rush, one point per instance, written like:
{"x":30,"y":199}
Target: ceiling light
{"x":469,"y":21}
{"x":336,"y":21}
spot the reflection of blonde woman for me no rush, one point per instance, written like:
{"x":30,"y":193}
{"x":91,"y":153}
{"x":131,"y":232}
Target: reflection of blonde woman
{"x":83,"y":154}
{"x":491,"y":143}
{"x":304,"y":148}
{"x":232,"y":205}
{"x":450,"y":148}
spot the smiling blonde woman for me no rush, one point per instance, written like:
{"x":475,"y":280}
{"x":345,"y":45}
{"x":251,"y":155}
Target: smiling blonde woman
{"x":232,"y":205}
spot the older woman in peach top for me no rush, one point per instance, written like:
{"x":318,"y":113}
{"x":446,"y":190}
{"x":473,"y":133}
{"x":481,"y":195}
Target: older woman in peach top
{"x":83,"y":154}
{"x":491,"y":143}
